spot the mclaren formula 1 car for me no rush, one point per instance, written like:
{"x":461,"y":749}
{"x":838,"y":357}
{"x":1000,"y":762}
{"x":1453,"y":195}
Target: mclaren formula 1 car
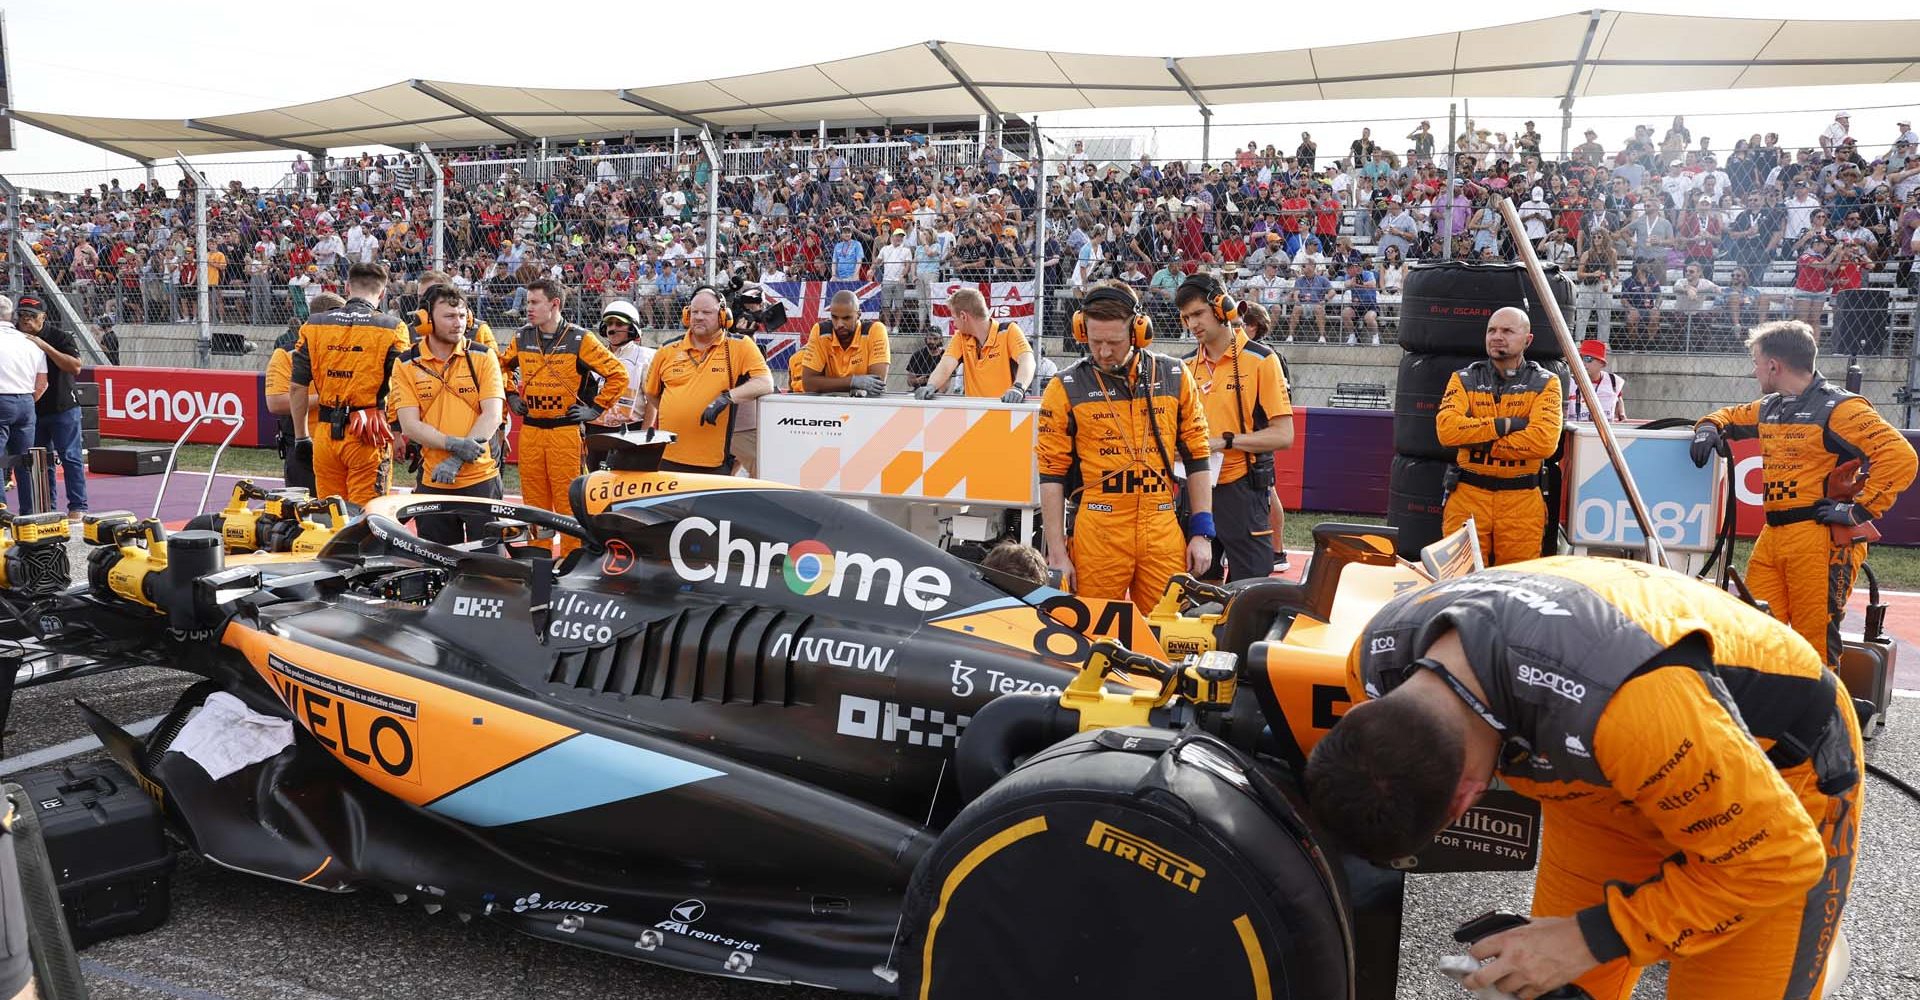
{"x":726,"y":732}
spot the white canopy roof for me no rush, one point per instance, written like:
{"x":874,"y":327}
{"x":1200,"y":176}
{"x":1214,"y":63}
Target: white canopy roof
{"x":1565,"y":57}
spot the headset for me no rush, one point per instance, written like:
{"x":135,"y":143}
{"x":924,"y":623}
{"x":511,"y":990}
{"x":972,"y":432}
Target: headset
{"x":1225,"y":307}
{"x":1139,"y":325}
{"x":726,"y":314}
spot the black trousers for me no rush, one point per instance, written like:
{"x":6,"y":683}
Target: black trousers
{"x":1243,"y":533}
{"x":451,"y":529}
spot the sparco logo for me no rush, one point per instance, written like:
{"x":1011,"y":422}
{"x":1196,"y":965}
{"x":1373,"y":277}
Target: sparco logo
{"x":834,"y":422}
{"x":1565,"y":687}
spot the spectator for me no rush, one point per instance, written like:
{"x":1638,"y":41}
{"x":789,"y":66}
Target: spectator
{"x":1362,"y":289}
{"x":1695,"y":296}
{"x":1640,"y":298}
{"x":1813,"y":277}
{"x":896,"y":262}
{"x":1310,"y":292}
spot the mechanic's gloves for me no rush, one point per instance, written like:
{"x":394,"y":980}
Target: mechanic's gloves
{"x":516,"y":403}
{"x":1845,"y":515}
{"x":711,"y":415}
{"x":868,"y":385}
{"x":584,"y":412}
{"x":1014,"y":395}
{"x":466,"y":449}
{"x":447,"y":472}
{"x":303,"y":451}
{"x":925,"y":392}
{"x":1706,"y":441}
{"x":1503,"y":426}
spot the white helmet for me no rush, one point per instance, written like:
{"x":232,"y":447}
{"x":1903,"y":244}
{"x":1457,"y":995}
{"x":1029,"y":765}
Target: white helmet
{"x":625,"y":310}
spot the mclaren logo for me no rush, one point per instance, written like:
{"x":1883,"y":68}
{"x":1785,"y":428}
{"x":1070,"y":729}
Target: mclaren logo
{"x":834,"y":422}
{"x":1183,"y":874}
{"x":704,"y":551}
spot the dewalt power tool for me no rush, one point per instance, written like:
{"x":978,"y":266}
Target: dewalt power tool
{"x":273,"y":526}
{"x":33,"y":553}
{"x":1188,"y":616}
{"x":136,"y":560}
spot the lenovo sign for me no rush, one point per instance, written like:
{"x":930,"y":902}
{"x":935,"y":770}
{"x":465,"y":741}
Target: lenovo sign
{"x":157,"y":404}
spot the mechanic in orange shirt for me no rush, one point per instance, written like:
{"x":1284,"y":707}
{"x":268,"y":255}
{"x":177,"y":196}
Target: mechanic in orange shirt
{"x":342,"y":364}
{"x":450,"y":396}
{"x":1111,"y":428}
{"x":845,"y":354}
{"x":696,"y":384}
{"x":994,"y":358}
{"x":1807,"y":426}
{"x":560,"y":376}
{"x":296,"y":462}
{"x":1503,"y":414}
{"x":1698,"y":770}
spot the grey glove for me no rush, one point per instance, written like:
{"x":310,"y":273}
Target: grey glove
{"x":466,"y":449}
{"x":1014,"y":395}
{"x":711,"y":415}
{"x":925,"y":392}
{"x":447,"y":471}
{"x":1504,"y":426}
{"x":584,"y":412}
{"x":868,"y":385}
{"x":516,"y":403}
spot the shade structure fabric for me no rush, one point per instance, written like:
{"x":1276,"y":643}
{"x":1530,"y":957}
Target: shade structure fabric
{"x":1593,"y":53}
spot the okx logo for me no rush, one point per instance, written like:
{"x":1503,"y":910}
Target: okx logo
{"x":704,"y":551}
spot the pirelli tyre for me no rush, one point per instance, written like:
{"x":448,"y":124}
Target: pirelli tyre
{"x":1445,"y":304}
{"x":1128,"y":863}
{"x":1416,"y":491}
{"x":1416,"y":398}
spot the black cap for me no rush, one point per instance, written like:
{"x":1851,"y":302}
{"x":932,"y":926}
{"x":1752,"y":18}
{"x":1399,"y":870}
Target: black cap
{"x":29,"y":304}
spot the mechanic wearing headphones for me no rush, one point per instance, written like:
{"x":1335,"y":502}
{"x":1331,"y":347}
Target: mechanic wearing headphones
{"x":620,"y":327}
{"x":551,"y":364}
{"x":1698,"y":770}
{"x":844,"y":354}
{"x":695,"y":385}
{"x":296,"y":463}
{"x":995,"y":361}
{"x":1249,"y":417}
{"x":1503,"y":414}
{"x":1111,"y":428}
{"x":449,"y":394}
{"x":1806,"y":427}
{"x":343,"y":359}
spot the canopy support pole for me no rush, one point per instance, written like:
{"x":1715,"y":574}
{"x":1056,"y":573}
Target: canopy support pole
{"x":438,"y":255}
{"x":205,"y":348}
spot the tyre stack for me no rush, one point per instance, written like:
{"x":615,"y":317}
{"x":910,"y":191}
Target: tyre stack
{"x":89,"y":393}
{"x":1443,"y":328}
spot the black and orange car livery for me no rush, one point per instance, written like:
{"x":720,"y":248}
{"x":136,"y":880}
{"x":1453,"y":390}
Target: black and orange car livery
{"x":684,"y":379}
{"x":1503,"y":426}
{"x":1698,"y":767}
{"x":1805,"y":579}
{"x":346,"y":356}
{"x":550,"y":374}
{"x":825,"y":355}
{"x":1112,"y":442}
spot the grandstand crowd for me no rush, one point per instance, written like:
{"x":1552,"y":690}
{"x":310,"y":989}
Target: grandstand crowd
{"x":1672,"y":242}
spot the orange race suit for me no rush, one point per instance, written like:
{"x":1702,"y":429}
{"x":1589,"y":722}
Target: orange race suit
{"x":1804,"y":578}
{"x":346,"y":356}
{"x":550,"y":373}
{"x":1112,"y":443}
{"x":1496,"y":476}
{"x":824,"y":354}
{"x":1698,"y":768}
{"x":293,"y":470}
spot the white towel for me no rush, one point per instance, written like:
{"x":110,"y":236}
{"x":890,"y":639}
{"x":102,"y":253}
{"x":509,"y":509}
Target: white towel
{"x":224,"y":735}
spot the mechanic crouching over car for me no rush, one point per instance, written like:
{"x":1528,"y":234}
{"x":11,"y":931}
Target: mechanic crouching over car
{"x":1698,"y":769}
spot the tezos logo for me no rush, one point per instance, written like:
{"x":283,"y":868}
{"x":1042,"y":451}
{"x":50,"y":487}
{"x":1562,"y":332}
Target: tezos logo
{"x":809,"y":568}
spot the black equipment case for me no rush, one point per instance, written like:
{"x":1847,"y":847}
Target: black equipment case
{"x":107,"y":848}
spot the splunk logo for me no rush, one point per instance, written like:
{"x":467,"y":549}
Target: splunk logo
{"x":808,"y":568}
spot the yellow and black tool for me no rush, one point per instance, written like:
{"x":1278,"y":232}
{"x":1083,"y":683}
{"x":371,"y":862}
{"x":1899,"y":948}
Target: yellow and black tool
{"x":272,"y":526}
{"x":1183,"y":628}
{"x":1207,"y":681}
{"x":130,"y":552}
{"x":319,"y":519}
{"x":33,"y":553}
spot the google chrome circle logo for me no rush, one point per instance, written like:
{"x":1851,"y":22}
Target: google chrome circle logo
{"x":809,"y":568}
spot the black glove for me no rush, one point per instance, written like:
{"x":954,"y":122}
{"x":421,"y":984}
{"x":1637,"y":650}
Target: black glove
{"x":1706,"y":441}
{"x":1846,"y":515}
{"x":516,"y":403}
{"x":1503,"y":426}
{"x":303,"y":451}
{"x":711,"y":415}
{"x":1014,"y":395}
{"x":868,"y":385}
{"x":466,"y":449}
{"x":584,"y":412}
{"x":447,"y":471}
{"x":925,"y":392}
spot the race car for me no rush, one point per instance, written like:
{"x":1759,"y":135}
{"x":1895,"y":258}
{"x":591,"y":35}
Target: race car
{"x":722,"y":735}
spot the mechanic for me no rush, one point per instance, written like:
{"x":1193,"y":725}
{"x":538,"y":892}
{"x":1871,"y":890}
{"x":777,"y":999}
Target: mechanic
{"x":559,"y":376}
{"x":420,"y":323}
{"x":994,"y":359}
{"x":1249,"y":417}
{"x":1609,"y":388}
{"x":620,"y":328}
{"x":696,"y":384}
{"x":1503,"y":414}
{"x":450,"y":393}
{"x":1111,"y":427}
{"x":845,"y":354}
{"x":295,"y":471}
{"x":1806,"y":427}
{"x":1698,"y":771}
{"x":342,"y":365}
{"x":56,"y":414}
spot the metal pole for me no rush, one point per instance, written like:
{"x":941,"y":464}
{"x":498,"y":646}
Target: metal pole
{"x":1206,"y":139}
{"x":200,"y":254}
{"x":981,"y":152}
{"x":439,"y":253}
{"x":1566,"y":128}
{"x":1656,"y":553}
{"x":713,"y":200}
{"x":1039,"y":240}
{"x":1446,"y":189}
{"x":14,"y":279}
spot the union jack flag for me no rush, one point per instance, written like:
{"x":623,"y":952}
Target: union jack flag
{"x":806,"y":304}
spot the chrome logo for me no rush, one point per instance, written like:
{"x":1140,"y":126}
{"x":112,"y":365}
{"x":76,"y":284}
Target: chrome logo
{"x":809,"y":567}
